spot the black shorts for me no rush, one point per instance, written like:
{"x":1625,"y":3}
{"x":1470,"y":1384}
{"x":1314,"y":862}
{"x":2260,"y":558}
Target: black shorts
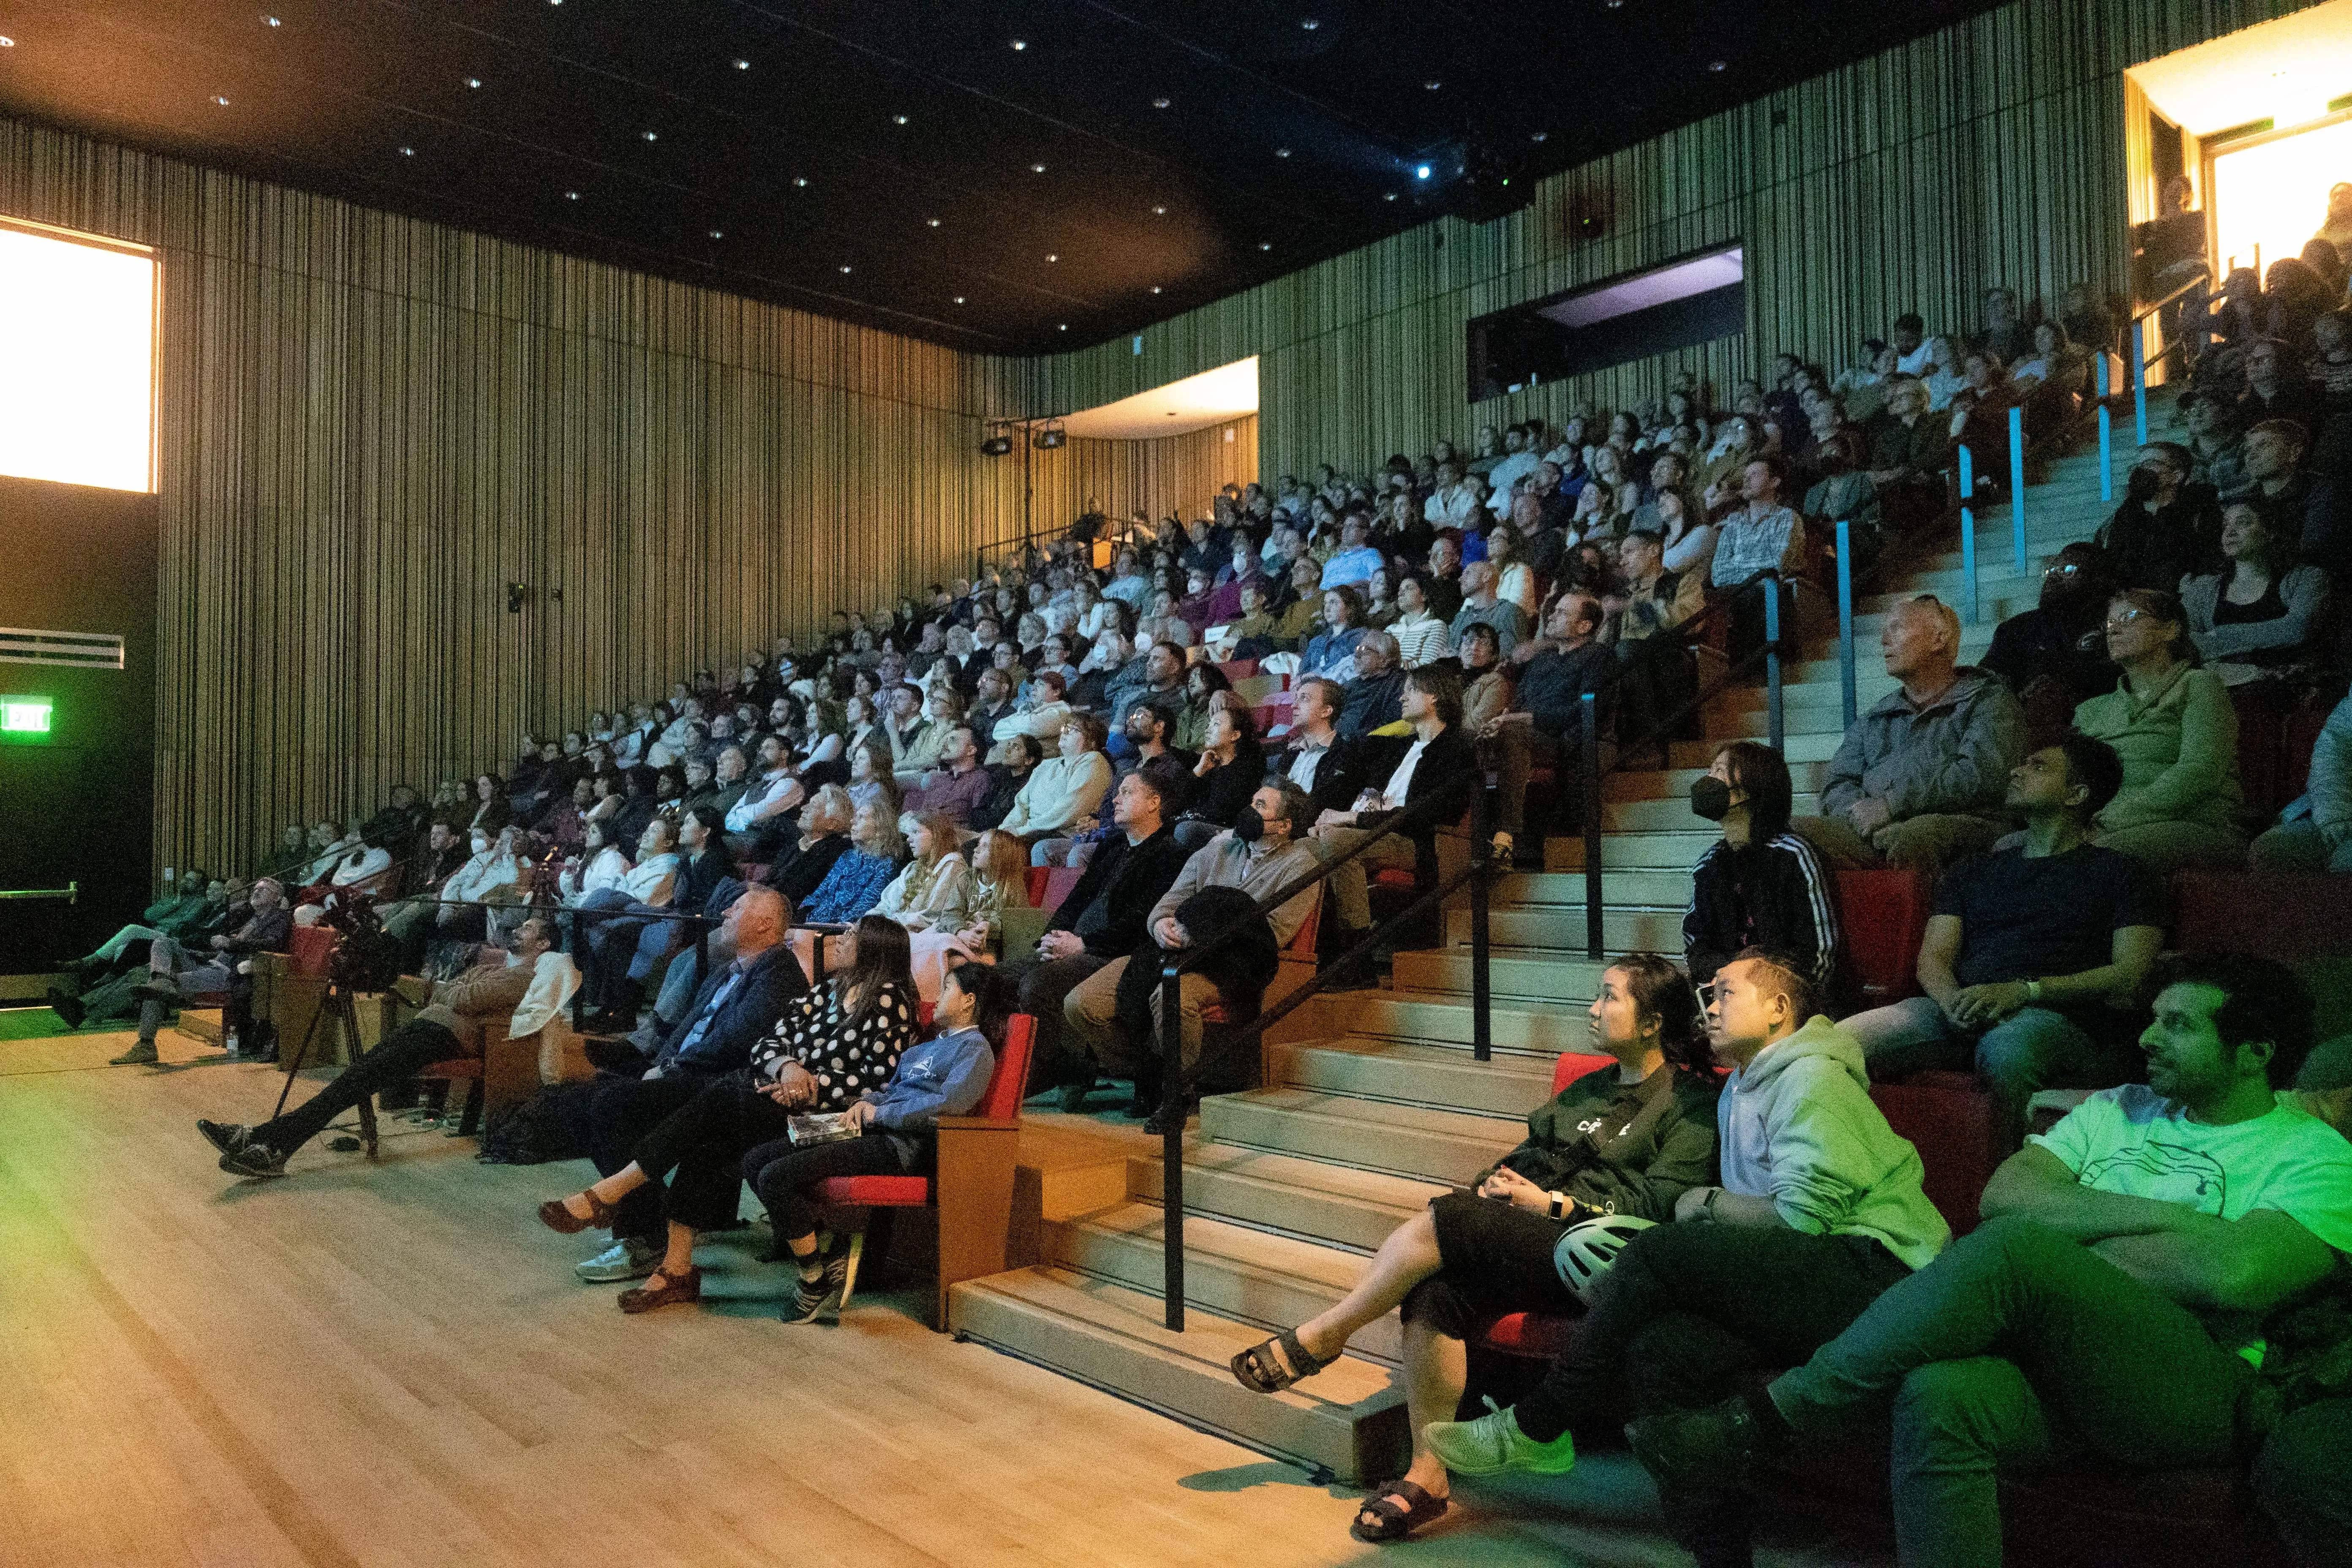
{"x":1494,"y":1258}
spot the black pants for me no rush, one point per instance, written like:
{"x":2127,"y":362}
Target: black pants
{"x":414,"y":1045}
{"x":624,"y":1111}
{"x":1497,"y":1259}
{"x":1684,"y":1312}
{"x":786,"y":1178}
{"x":2301,"y":1481}
{"x":700,"y":1147}
{"x":1045,"y":987}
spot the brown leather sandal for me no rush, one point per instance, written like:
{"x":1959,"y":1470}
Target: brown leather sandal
{"x":687,"y":1287}
{"x":563,"y":1222}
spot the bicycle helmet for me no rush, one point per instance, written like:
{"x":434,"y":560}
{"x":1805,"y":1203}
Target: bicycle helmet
{"x":1587,"y":1249}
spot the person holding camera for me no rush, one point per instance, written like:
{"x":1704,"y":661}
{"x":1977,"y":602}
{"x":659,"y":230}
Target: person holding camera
{"x":527,"y":984}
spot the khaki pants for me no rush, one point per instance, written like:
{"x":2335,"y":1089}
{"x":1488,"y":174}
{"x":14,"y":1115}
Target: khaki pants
{"x":1091,"y":1014}
{"x":1350,"y":895}
{"x":1925,"y":844}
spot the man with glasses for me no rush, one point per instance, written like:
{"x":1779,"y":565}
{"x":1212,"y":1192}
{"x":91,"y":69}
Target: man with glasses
{"x":2054,"y":656}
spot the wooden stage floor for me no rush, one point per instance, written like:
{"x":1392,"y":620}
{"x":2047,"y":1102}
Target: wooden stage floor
{"x":395,"y":1364}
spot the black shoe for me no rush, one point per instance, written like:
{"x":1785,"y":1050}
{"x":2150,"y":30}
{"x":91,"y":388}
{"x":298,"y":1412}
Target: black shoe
{"x":1158,"y":1122}
{"x":818,"y":1300}
{"x":161,"y":988}
{"x":255,"y":1159}
{"x":1071,"y":1098}
{"x":613,"y":1054}
{"x":67,"y":1007}
{"x":228,"y":1137}
{"x":1700,"y":1450}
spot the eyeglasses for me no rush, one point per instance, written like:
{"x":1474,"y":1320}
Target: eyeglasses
{"x":2062,"y":569}
{"x":2123,"y":622}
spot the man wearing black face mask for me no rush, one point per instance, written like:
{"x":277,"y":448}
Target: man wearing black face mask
{"x":2053,"y":656}
{"x":2165,"y":526}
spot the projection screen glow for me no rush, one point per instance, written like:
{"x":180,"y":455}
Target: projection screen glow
{"x":77,"y":359}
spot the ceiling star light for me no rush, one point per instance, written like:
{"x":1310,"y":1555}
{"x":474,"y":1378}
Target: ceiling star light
{"x":1433,"y":86}
{"x":220,"y":100}
{"x":718,"y":234}
{"x":473,"y":81}
{"x":1155,"y":287}
{"x":800,"y":185}
{"x":571,"y":195}
{"x":933,"y":222}
{"x":1282,"y":152}
{"x":1264,"y":244}
{"x":1066,"y":327}
{"x":408,"y":151}
{"x":1160,"y":211}
{"x":652,"y":136}
{"x":1539,"y":136}
{"x":1388,"y":195}
{"x":1421,"y":170}
{"x":897,"y":120}
{"x":743,"y":64}
{"x":844,"y":270}
{"x":1051,"y":256}
{"x":1036,"y":168}
{"x":1019,"y":45}
{"x":958,"y":299}
{"x":273,"y":21}
{"x":1719,"y":65}
{"x":1158,"y":103}
{"x":1308,"y":24}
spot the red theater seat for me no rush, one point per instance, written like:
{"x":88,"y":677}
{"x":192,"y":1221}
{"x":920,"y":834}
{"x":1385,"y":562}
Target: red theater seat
{"x":972,"y":1196}
{"x":1950,"y":1118}
{"x":1538,"y":1336}
{"x":2289,"y":915}
{"x":1882,"y":917}
{"x":311,"y":948}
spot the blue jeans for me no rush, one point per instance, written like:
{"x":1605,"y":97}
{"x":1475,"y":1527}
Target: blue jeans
{"x":2033,"y":1049}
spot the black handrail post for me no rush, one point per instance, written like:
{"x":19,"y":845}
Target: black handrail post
{"x":1589,"y":788}
{"x":1171,"y":1139}
{"x":579,"y":961}
{"x":1482,"y":866}
{"x":1775,"y":718}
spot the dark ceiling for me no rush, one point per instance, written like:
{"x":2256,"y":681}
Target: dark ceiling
{"x":880,"y":159}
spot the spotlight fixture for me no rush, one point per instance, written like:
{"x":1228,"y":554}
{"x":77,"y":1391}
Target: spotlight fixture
{"x":1282,"y":152}
{"x":844,"y":270}
{"x":653,"y":136}
{"x":1388,"y":195}
{"x":958,"y":299}
{"x":408,"y":151}
{"x":997,"y":442}
{"x":1052,"y":256}
{"x":743,"y":64}
{"x":799,"y":184}
{"x":1719,"y":65}
{"x":1053,"y":434}
{"x":1158,"y":103}
{"x":1162,"y":212}
{"x":473,"y":81}
{"x":931,"y":222}
{"x":273,"y":21}
{"x":897,"y":120}
{"x":571,"y":195}
{"x":220,"y":100}
{"x":1264,"y":245}
{"x":1019,"y":45}
{"x":1308,"y":24}
{"x":1421,"y":170}
{"x":1066,"y":327}
{"x":1036,"y":168}
{"x":1155,"y":287}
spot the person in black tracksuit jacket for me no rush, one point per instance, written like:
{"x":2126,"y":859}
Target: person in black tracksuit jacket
{"x":1759,"y":885}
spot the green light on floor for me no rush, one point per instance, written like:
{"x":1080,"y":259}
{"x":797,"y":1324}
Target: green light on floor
{"x":25,"y":715}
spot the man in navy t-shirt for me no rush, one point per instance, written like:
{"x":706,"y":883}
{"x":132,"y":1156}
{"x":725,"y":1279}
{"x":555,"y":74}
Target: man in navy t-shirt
{"x":2035,"y":955}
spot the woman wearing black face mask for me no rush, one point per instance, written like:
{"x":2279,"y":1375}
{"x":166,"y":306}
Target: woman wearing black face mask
{"x":1760,"y":885}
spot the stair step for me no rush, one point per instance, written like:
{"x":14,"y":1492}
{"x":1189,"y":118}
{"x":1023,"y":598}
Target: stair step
{"x":1449,"y":1146}
{"x":1349,"y":1418}
{"x":1446,"y":1022}
{"x":1563,"y":889}
{"x":1674,"y":850}
{"x":1674,"y":783}
{"x":1622,"y":930}
{"x":1365,"y":1065}
{"x":1668,"y":815}
{"x":1306,"y":1197}
{"x":1551,"y":978}
{"x":1236,"y":1271}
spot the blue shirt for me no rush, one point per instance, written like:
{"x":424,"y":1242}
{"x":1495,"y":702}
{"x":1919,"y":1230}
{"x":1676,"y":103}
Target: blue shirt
{"x":851,"y":889}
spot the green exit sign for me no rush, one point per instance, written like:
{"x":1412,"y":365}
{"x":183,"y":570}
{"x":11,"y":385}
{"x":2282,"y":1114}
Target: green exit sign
{"x":24,"y":719}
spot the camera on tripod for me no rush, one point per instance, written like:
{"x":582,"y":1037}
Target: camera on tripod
{"x":369,"y":958}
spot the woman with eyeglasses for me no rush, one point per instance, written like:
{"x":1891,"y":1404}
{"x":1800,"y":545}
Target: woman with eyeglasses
{"x":2172,"y":725}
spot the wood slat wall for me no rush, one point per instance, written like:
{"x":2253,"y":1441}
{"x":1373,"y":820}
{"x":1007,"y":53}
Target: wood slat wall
{"x":370,"y":425}
{"x":1993,"y":152}
{"x":1175,"y":475}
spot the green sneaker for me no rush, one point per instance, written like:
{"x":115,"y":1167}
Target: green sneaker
{"x":1493,"y":1442}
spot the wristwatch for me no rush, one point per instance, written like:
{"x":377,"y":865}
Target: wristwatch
{"x":2034,"y":991}
{"x":1559,"y":1202}
{"x":1707,"y":1209}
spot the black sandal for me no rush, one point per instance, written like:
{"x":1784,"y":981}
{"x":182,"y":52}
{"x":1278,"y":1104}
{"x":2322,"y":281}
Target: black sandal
{"x":1390,"y":1523}
{"x":1260,"y":1370}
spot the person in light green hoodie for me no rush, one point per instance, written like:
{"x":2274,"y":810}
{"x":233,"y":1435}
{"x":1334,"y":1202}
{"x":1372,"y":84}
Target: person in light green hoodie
{"x":1819,"y":1210}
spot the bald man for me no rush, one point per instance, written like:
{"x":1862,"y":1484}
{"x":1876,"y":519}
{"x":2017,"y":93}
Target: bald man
{"x":1919,"y":779}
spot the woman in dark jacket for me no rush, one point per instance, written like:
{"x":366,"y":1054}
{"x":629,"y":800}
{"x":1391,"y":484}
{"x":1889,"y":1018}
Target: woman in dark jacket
{"x":1625,"y":1140}
{"x":1759,"y":885}
{"x":1232,"y":766}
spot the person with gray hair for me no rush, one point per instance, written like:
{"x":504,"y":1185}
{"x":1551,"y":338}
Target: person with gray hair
{"x":1919,"y":779}
{"x":1373,"y":695}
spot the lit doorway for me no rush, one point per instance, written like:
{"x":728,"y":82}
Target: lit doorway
{"x":2269,"y":194}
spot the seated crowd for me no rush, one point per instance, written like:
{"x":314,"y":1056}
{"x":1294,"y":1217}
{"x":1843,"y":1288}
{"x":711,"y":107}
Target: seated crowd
{"x":854,"y":824}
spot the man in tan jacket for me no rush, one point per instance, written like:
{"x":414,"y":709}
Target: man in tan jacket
{"x":524,"y":988}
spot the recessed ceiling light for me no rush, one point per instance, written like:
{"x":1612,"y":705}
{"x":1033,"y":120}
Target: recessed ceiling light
{"x":1051,"y":256}
{"x":1282,"y":152}
{"x":473,"y":81}
{"x":652,"y":136}
{"x":1155,"y":287}
{"x":273,"y":21}
{"x":1158,"y":103}
{"x":801,"y":183}
{"x":1421,"y":170}
{"x":220,"y":100}
{"x":1264,"y":245}
{"x":1161,"y":211}
{"x":1309,"y":23}
{"x":1388,"y":195}
{"x":1433,"y":86}
{"x":1036,"y":168}
{"x":718,"y":234}
{"x":1020,"y":44}
{"x":844,"y":270}
{"x":1538,"y":135}
{"x":408,"y":151}
{"x":571,"y":195}
{"x":1719,"y":65}
{"x":899,"y":119}
{"x":933,"y":222}
{"x":958,"y":299}
{"x":743,"y":64}
{"x":1065,"y":326}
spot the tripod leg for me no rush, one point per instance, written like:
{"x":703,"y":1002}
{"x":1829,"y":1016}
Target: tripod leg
{"x":301,"y":1052}
{"x":347,"y":1019}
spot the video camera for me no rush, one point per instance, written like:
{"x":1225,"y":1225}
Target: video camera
{"x":369,"y":958}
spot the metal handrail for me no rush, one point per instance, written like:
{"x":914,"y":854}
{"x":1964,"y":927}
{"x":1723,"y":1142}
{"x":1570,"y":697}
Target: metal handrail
{"x":71,"y":893}
{"x":1176,"y":963}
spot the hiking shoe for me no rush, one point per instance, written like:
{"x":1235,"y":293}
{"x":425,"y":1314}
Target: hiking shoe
{"x":818,"y":1300}
{"x":1493,"y":1442}
{"x":627,"y":1258}
{"x":228,"y":1137}
{"x":254,"y":1160}
{"x":141,"y":1054}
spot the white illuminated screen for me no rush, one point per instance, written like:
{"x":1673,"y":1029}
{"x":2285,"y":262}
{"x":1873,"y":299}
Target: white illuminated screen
{"x":77,"y":362}
{"x":2275,"y":196}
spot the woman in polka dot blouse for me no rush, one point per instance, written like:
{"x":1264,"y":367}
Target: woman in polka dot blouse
{"x":831,"y":1044}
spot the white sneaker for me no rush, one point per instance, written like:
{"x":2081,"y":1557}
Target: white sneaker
{"x":625,"y":1259}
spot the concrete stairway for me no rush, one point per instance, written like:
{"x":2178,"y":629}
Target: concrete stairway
{"x":1374,"y":1103}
